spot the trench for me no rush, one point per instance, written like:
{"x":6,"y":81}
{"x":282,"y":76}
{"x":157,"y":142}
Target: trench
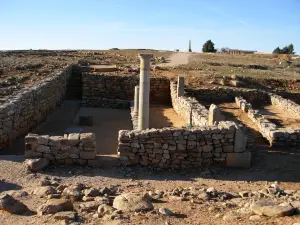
{"x":232,"y":113}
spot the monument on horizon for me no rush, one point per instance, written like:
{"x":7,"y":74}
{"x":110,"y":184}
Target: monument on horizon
{"x":190,"y":46}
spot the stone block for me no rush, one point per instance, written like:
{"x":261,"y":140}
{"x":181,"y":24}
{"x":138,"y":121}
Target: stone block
{"x":43,"y":149}
{"x":43,"y":140}
{"x":240,"y":141}
{"x":85,"y":120}
{"x":73,"y":139}
{"x":87,"y":155}
{"x":239,"y":160}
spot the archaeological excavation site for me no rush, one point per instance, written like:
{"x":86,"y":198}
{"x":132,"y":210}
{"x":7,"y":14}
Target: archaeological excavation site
{"x":123,"y":137}
{"x":99,"y":115}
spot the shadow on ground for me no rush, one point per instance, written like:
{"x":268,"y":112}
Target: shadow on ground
{"x":6,"y":186}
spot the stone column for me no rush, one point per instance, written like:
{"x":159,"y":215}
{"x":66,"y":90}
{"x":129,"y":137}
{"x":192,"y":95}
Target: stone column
{"x":136,"y":100}
{"x":214,"y":115}
{"x":144,"y":92}
{"x":180,"y":86}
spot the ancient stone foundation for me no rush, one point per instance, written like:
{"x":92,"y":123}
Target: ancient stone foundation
{"x":181,"y":148}
{"x":104,"y":90}
{"x":27,"y":108}
{"x":188,"y":108}
{"x":201,"y":145}
{"x":284,"y":137}
{"x":75,"y":148}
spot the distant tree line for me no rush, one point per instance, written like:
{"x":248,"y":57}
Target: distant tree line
{"x":286,"y":50}
{"x":209,"y":46}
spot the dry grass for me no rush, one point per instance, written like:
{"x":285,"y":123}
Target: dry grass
{"x":254,"y":65}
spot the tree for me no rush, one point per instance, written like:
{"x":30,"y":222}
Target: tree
{"x":286,"y":50}
{"x":291,"y":49}
{"x":209,"y":47}
{"x":277,"y":51}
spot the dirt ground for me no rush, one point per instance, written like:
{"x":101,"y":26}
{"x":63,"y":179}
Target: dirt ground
{"x":106,"y":125}
{"x":267,"y":167}
{"x":164,"y":116}
{"x":280,"y":117}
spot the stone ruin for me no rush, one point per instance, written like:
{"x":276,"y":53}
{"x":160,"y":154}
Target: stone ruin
{"x":208,"y":140}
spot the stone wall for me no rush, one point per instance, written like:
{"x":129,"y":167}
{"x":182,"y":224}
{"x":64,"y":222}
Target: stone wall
{"x":100,"y":89}
{"x":69,"y":149}
{"x":219,"y":94}
{"x":181,"y":148}
{"x":23,"y":111}
{"x":285,"y":104}
{"x":280,"y":137}
{"x":188,"y":108}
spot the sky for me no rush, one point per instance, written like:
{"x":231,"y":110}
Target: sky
{"x":259,"y":25}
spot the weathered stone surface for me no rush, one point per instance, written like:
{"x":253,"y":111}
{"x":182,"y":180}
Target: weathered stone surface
{"x":271,"y":209}
{"x":91,"y":192}
{"x":105,"y":210}
{"x":132,"y":203}
{"x":89,"y":206}
{"x":73,"y":192}
{"x":44,"y":191}
{"x":53,"y":206}
{"x":296,"y":205}
{"x":165,"y":211}
{"x":36,"y":165}
{"x":73,"y":148}
{"x":65,"y":215}
{"x":11,"y":205}
{"x":214,"y":115}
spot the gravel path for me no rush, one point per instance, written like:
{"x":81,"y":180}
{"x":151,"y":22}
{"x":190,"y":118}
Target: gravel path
{"x":177,"y":59}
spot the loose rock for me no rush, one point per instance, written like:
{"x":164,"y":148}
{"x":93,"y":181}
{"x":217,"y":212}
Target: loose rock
{"x":35,"y":165}
{"x":165,"y":211}
{"x":55,"y":205}
{"x":9,"y":204}
{"x":132,"y":203}
{"x":271,"y":209}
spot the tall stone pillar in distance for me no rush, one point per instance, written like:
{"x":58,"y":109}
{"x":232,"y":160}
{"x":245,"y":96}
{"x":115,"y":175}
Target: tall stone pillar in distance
{"x":136,"y":100}
{"x":180,"y":86}
{"x":190,"y":46}
{"x":144,"y":92}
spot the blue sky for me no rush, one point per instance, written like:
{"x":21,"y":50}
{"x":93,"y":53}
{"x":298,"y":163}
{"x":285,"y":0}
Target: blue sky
{"x":260,"y":25}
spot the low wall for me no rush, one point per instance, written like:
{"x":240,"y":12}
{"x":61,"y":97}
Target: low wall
{"x":23,"y":111}
{"x":99,"y":89}
{"x":181,"y":148}
{"x":286,"y":104}
{"x":280,"y":137}
{"x":73,"y":148}
{"x":218,"y":94}
{"x":188,"y":108}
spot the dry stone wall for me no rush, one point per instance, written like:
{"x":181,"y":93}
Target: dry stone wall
{"x":23,"y":111}
{"x":74,"y":148}
{"x":285,"y":104}
{"x":218,"y":94}
{"x":188,"y":108}
{"x":104,"y":90}
{"x":281,"y":137}
{"x":181,"y":148}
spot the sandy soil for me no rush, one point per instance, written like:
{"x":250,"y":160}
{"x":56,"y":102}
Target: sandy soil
{"x":106,"y":126}
{"x":164,"y":116}
{"x":280,"y":117}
